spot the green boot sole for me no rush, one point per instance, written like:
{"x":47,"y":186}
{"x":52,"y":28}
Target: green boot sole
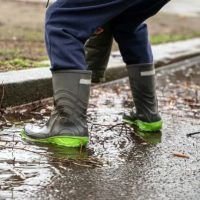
{"x":67,"y":141}
{"x":145,"y":126}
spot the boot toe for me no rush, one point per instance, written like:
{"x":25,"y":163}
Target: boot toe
{"x":32,"y":131}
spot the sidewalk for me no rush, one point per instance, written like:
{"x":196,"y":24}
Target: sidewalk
{"x":189,"y":8}
{"x":18,"y":87}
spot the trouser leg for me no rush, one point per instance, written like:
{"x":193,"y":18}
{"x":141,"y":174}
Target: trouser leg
{"x":132,"y":35}
{"x":140,"y":49}
{"x":70,"y":23}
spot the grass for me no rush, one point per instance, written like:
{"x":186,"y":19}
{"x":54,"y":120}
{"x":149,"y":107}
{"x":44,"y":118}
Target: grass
{"x":159,"y":39}
{"x":29,"y":35}
{"x":14,"y":58}
{"x":19,"y":58}
{"x":10,"y":53}
{"x":20,"y":63}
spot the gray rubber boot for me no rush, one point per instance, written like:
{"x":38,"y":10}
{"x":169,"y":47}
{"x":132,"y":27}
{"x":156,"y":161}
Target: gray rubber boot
{"x":67,"y":125}
{"x":142,"y":82}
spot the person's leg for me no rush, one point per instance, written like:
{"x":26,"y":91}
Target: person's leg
{"x":133,"y":43}
{"x":97,"y":51}
{"x":136,"y":51}
{"x":131,"y":33}
{"x":68,"y":25}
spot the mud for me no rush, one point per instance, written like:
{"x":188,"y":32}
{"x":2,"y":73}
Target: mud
{"x":120,"y":162}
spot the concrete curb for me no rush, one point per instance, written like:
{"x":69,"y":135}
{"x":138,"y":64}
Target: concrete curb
{"x":24,"y":86}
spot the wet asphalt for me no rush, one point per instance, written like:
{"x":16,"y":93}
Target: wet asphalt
{"x":120,"y":163}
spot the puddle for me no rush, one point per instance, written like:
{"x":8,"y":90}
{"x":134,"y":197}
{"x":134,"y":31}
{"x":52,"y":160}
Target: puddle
{"x":119,"y":163}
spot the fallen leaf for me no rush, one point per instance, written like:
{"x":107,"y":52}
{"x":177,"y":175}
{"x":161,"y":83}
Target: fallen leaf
{"x":181,"y":155}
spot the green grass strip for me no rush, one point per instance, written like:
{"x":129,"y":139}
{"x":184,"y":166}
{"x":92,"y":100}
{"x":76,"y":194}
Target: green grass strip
{"x":165,"y":38}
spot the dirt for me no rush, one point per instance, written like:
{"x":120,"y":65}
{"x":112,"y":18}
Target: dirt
{"x":21,"y":32}
{"x":173,"y":24}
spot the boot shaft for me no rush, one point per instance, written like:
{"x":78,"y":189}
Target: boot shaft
{"x":71,"y":89}
{"x":143,"y":87}
{"x":71,"y":97}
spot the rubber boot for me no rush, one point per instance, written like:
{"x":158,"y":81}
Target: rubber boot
{"x":142,"y":82}
{"x":97,"y":51}
{"x":67,"y":125}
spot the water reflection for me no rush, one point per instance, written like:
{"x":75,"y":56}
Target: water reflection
{"x":149,"y":137}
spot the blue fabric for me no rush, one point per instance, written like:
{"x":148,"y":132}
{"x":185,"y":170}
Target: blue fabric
{"x":133,"y":43}
{"x":69,"y":23}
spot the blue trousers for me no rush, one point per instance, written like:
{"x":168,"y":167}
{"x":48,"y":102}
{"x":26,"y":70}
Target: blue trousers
{"x":69,"y":23}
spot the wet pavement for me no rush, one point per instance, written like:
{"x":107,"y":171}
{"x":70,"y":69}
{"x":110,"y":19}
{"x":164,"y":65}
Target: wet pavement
{"x":120,"y":163}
